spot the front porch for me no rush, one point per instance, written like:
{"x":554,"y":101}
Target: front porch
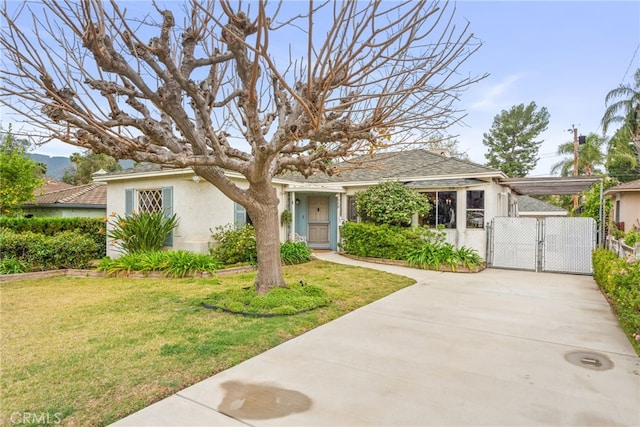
{"x":315,"y":216}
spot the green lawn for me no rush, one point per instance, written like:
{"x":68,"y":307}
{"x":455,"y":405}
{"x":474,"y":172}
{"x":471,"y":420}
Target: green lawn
{"x":90,"y":351}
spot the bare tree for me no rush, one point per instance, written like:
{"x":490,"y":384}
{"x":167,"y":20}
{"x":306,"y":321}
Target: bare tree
{"x":296,"y":87}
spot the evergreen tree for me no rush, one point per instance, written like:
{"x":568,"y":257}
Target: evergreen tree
{"x":86,"y":164}
{"x":511,"y":140}
{"x":19,"y":175}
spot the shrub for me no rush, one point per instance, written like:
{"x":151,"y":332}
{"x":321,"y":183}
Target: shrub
{"x":619,"y":279}
{"x":632,"y":237}
{"x":140,"y":232}
{"x":11,"y":265}
{"x":604,"y":262}
{"x":183,"y":263}
{"x":419,"y":246}
{"x":382,"y":241}
{"x":172,"y":263}
{"x":428,"y":256}
{"x":278,"y":301}
{"x":234,"y":245}
{"x":432,"y":256}
{"x":294,"y":252}
{"x":26,"y":247}
{"x":469,"y":257}
{"x":391,"y":203}
{"x":68,"y":249}
{"x":49,"y":226}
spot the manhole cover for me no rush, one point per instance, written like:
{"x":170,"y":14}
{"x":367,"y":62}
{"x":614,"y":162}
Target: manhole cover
{"x":589,"y":360}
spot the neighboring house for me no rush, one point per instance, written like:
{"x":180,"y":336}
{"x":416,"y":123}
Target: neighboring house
{"x":626,"y":205}
{"x":64,"y":200}
{"x":51,"y":185}
{"x":531,"y":207}
{"x":465,"y":196}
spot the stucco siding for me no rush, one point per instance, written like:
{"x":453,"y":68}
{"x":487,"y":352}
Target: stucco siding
{"x":630,"y":209}
{"x":476,"y":238}
{"x":199,"y":206}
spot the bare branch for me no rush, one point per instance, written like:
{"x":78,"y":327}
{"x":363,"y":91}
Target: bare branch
{"x":357,"y":77}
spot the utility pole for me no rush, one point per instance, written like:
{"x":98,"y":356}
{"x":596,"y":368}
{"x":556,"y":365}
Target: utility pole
{"x":575,"y":161}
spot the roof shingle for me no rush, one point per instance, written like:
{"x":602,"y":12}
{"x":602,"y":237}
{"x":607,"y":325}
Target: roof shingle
{"x":627,"y":186}
{"x":409,"y":164}
{"x":531,"y":204}
{"x":93,"y":194}
{"x":398,"y":165}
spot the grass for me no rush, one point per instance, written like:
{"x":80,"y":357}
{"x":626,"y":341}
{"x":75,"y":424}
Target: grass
{"x":298,"y":297}
{"x":90,"y":351}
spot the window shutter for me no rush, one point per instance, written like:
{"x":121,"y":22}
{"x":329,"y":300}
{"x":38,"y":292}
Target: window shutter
{"x":128,"y":201}
{"x":167,"y":208}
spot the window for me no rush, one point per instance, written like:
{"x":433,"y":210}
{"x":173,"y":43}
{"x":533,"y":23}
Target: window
{"x":352,"y":210}
{"x":150,"y":200}
{"x":475,"y":208}
{"x":240,"y":216}
{"x":443,"y":209}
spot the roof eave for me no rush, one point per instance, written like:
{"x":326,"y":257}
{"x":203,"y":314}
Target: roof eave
{"x":543,"y":213}
{"x":145,"y":174}
{"x":623,"y":190}
{"x":487,"y":175}
{"x":65,"y":205}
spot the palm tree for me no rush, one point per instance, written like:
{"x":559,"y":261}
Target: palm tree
{"x":624,"y":107}
{"x":622,"y":157}
{"x":590,"y":156}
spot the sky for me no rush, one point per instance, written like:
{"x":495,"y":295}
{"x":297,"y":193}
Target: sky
{"x":562,"y":55}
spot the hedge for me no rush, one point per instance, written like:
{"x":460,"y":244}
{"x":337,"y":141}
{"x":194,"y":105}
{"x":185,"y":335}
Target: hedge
{"x":67,"y":249}
{"x":50,"y":226}
{"x":619,"y":280}
{"x":380,"y":241}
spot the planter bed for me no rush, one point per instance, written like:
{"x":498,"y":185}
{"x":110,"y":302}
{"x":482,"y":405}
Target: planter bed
{"x":73,"y":272}
{"x":443,"y":268}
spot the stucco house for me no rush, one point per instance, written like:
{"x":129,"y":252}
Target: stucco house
{"x":465,"y":196}
{"x":58,"y":199}
{"x":626,"y":205}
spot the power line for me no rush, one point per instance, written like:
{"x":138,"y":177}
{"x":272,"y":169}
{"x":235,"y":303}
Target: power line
{"x":630,"y":63}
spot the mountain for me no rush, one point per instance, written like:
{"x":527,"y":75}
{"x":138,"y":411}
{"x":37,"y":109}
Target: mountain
{"x":57,"y":165}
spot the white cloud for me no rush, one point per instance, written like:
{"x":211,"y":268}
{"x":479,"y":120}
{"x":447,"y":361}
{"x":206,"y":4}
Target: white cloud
{"x":491,"y":95}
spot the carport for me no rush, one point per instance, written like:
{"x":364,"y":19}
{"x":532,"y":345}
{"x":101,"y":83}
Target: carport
{"x":557,"y":186}
{"x":561,"y":245}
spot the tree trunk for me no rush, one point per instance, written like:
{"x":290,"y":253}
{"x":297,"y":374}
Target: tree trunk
{"x":264,"y":216}
{"x":261,"y":203}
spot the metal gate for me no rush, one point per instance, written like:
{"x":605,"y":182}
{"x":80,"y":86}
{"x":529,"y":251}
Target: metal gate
{"x":562,"y":245}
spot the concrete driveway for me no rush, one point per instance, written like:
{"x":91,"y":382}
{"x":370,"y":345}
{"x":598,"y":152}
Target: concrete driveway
{"x":497,"y":348}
